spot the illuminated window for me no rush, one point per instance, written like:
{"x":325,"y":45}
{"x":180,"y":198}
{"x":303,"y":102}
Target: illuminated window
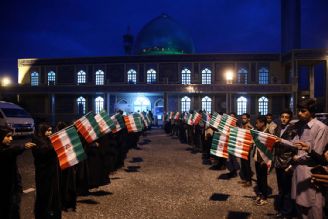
{"x":81,"y":77}
{"x":242,"y":76}
{"x":263,"y":105}
{"x":291,"y":103}
{"x":207,"y":104}
{"x":34,"y":79}
{"x":81,"y":105}
{"x":100,"y":77}
{"x":185,"y":76}
{"x":141,"y":104}
{"x":206,"y":76}
{"x":99,"y":104}
{"x":185,"y":104}
{"x":241,"y":105}
{"x":151,"y":76}
{"x":51,"y":78}
{"x":132,"y":76}
{"x":263,"y":76}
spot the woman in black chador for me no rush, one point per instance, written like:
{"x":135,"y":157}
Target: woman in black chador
{"x":10,"y":183}
{"x":47,"y":203}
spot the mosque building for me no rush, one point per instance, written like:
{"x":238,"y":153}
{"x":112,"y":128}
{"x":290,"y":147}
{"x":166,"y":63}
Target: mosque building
{"x":162,"y":72}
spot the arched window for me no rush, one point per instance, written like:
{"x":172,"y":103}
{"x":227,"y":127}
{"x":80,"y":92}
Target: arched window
{"x":263,"y":105}
{"x":132,"y":76}
{"x":151,"y":76}
{"x":185,"y":76}
{"x":291,"y":103}
{"x":141,"y":104}
{"x":185,"y":104}
{"x":263,"y":76}
{"x":81,"y":77}
{"x":100,"y":77}
{"x":207,"y":104}
{"x":81,"y":105}
{"x":206,"y":76}
{"x":51,"y":78}
{"x":99,"y":104}
{"x":242,"y":76}
{"x":241,"y":105}
{"x":34,"y":79}
{"x":122,"y":101}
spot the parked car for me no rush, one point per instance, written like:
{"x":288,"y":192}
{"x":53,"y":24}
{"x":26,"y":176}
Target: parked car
{"x":16,"y":118}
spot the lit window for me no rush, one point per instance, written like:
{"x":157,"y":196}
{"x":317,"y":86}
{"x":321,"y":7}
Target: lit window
{"x":151,"y":76}
{"x":206,"y":76}
{"x":291,"y":103}
{"x":207,"y":104}
{"x":263,"y":105}
{"x":81,"y":105}
{"x":263,"y":76}
{"x":51,"y":78}
{"x":132,"y":76}
{"x":241,"y":105}
{"x":81,"y":77}
{"x":34,"y":79}
{"x":185,"y":104}
{"x":185,"y":76}
{"x":100,"y":77}
{"x":99,"y":104}
{"x":141,"y":104}
{"x":242,"y":76}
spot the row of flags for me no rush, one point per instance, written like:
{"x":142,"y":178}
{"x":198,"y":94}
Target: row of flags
{"x":229,"y":139}
{"x":67,"y":142}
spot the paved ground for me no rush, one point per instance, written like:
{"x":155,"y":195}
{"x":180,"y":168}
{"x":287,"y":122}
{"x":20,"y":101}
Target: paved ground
{"x":163,"y":180}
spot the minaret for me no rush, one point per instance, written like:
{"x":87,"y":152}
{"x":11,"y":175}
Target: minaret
{"x":128,"y":42}
{"x":290,"y":25}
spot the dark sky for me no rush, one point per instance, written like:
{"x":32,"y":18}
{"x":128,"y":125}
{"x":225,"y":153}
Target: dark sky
{"x":67,"y":28}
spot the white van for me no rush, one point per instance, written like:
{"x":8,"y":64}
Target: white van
{"x":16,"y":118}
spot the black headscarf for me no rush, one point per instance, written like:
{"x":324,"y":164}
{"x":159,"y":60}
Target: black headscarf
{"x":4,"y":132}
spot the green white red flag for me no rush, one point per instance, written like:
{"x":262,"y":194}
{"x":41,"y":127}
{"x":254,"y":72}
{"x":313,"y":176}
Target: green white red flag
{"x":118,"y":121}
{"x":133,"y":122}
{"x":219,"y":146}
{"x":190,"y":119}
{"x":145,"y":121}
{"x":177,"y":116}
{"x":264,"y":143}
{"x":240,"y":141}
{"x":106,"y":124}
{"x":226,"y":122}
{"x":171,"y":116}
{"x":197,"y":117}
{"x":68,"y":147}
{"x":88,"y":127}
{"x":215,"y":120}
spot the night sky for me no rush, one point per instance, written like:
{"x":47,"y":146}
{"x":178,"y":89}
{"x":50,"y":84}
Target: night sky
{"x":66,"y":28}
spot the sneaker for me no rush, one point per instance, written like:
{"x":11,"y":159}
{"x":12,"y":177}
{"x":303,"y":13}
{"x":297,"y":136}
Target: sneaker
{"x":256,"y":198}
{"x":261,"y":202}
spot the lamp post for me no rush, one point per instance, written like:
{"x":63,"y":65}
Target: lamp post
{"x":229,"y":77}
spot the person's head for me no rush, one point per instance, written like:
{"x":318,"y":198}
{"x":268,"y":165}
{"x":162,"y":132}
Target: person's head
{"x":261,"y":123}
{"x":6,"y":136}
{"x":245,"y":117}
{"x":307,"y":109}
{"x":269,"y":117}
{"x":44,"y":130}
{"x":233,"y":114}
{"x":61,"y":125}
{"x":285,"y":117}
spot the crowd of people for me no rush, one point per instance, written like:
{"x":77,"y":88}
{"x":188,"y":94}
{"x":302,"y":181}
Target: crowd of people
{"x":301,"y":147}
{"x":57,"y":190}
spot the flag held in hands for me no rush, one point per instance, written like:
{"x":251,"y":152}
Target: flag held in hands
{"x":68,"y":147}
{"x":88,"y":127}
{"x":105,"y":123}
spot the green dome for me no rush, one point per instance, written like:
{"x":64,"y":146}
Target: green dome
{"x":163,"y":35}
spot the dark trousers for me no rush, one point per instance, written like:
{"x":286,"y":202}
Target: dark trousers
{"x":245,"y":169}
{"x":284,"y":201}
{"x":262,"y":179}
{"x":232,"y":163}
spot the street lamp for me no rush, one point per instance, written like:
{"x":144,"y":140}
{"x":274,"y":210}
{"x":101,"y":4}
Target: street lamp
{"x":5,"y":81}
{"x":229,"y":76}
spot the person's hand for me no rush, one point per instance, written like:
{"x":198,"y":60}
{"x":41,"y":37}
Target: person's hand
{"x":278,"y":140}
{"x":326,"y":155}
{"x":29,"y":145}
{"x":302,"y":146}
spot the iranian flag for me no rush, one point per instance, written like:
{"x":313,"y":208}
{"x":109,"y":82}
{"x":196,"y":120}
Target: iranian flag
{"x":226,"y":122}
{"x":88,"y":127}
{"x":219,"y":146}
{"x":196,"y":118}
{"x":171,"y":115}
{"x":145,"y":121}
{"x":133,"y":123}
{"x":215,"y":120}
{"x":106,"y":124}
{"x":185,"y":117}
{"x":264,"y":143}
{"x":240,"y":141}
{"x":190,"y":119}
{"x":68,"y":147}
{"x":118,"y":122}
{"x":177,"y":116}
